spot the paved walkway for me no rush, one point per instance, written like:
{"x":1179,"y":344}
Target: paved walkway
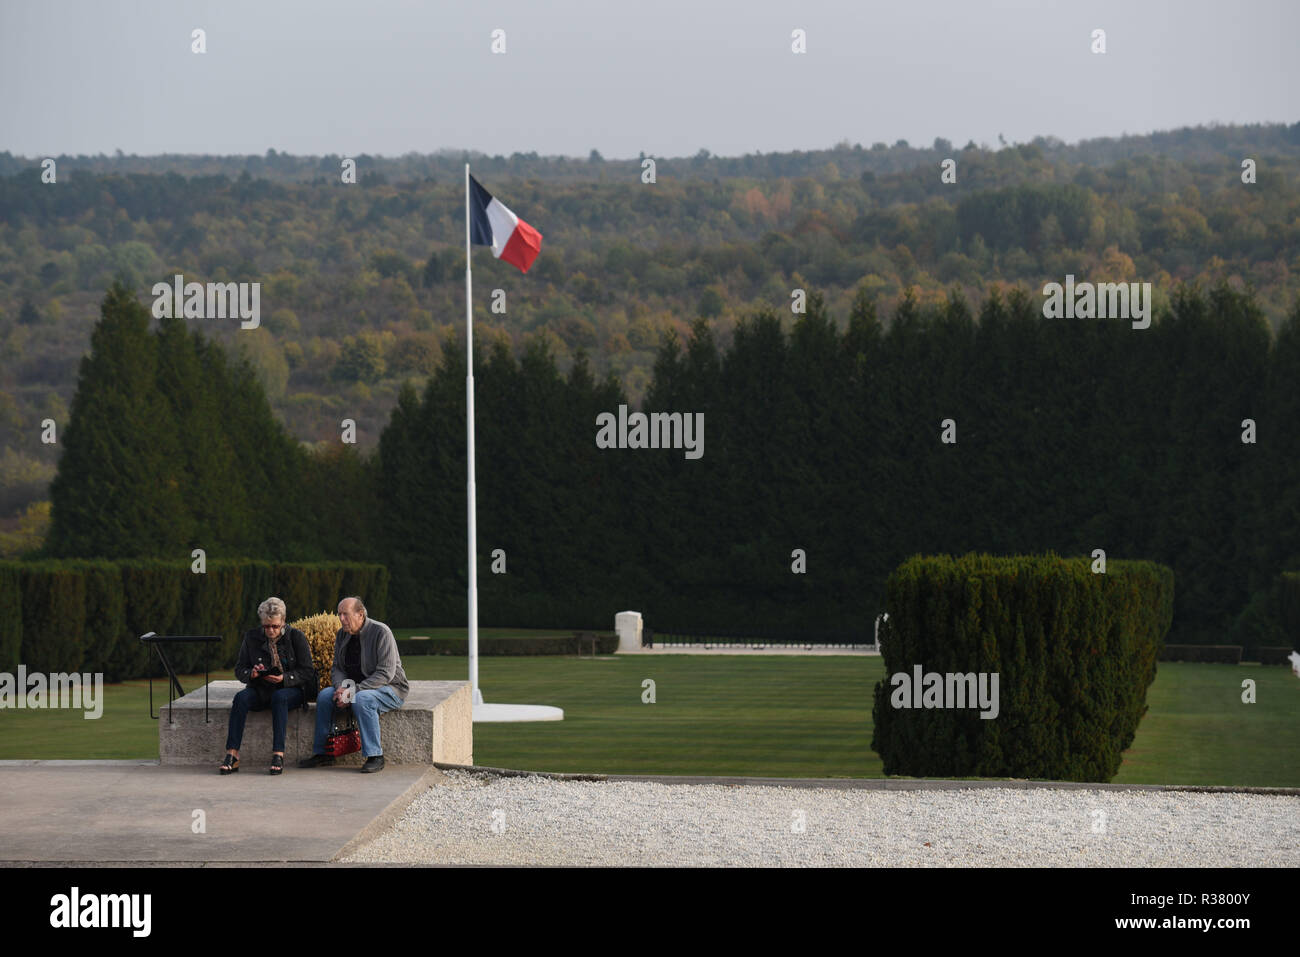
{"x":138,"y":811}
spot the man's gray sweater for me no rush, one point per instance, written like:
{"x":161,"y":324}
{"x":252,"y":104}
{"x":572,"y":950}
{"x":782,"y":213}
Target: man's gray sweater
{"x":380,"y":662}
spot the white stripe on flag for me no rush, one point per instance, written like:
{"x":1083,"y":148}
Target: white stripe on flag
{"x":503,"y":224}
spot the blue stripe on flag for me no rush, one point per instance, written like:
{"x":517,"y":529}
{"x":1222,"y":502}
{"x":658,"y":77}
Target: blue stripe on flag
{"x":480,"y":229}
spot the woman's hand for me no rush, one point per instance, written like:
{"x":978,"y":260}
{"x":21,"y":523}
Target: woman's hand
{"x":275,"y":679}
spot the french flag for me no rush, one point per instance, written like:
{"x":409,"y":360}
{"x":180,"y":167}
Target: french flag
{"x":491,"y":224}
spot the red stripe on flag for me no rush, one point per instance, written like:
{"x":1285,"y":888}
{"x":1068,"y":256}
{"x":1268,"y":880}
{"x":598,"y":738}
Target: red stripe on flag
{"x":523,"y":246}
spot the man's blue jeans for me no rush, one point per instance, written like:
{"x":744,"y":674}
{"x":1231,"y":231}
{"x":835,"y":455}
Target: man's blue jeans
{"x":282,"y":699}
{"x":368,"y":705}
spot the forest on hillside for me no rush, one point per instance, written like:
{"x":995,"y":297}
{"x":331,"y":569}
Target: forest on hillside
{"x":362,"y":285}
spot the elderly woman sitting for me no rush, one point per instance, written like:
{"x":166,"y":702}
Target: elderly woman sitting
{"x":275,"y":662}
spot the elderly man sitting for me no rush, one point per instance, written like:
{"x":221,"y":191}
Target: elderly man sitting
{"x":365,"y":651}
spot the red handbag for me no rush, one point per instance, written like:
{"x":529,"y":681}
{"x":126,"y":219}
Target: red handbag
{"x":345,"y":740}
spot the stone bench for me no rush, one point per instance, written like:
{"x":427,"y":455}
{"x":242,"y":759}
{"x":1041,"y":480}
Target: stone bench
{"x":435,"y":723}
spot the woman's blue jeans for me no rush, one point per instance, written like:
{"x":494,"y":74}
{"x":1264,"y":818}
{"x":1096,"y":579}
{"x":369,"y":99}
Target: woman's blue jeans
{"x":282,"y":699}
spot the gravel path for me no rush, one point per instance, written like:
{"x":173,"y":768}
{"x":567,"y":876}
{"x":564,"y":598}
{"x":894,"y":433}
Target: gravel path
{"x":479,"y":819}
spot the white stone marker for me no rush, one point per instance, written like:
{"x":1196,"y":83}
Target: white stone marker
{"x":627,"y":624}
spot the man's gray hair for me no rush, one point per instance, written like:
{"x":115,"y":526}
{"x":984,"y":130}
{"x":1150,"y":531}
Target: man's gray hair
{"x":357,"y":604}
{"x":271,"y":608}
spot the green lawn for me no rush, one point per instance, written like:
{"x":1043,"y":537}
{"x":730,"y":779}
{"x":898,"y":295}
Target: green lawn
{"x":767,"y":716}
{"x":124,"y":730}
{"x":751,"y":715}
{"x":1198,"y":731}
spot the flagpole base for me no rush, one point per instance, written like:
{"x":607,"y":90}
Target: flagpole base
{"x":495,"y":713}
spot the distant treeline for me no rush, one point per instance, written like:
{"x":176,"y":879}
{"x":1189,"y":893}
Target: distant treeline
{"x":1070,"y":436}
{"x":1194,"y":144}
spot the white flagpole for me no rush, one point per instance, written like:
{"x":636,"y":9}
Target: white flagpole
{"x":469,"y":448}
{"x":482,"y":712}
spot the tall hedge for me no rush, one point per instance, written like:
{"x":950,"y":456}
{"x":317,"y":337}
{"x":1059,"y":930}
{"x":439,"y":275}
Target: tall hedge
{"x":309,"y":587}
{"x":326,"y":585}
{"x":258,"y":582}
{"x":105,"y":613}
{"x":54,"y":617}
{"x":1075,"y":652}
{"x":153,"y":603}
{"x":212,"y":605}
{"x":293,"y":584}
{"x":11,"y":623}
{"x":370,"y":583}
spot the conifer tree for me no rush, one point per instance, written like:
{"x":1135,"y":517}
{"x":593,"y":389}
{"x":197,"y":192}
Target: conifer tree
{"x":190,"y":377}
{"x":120,"y":489}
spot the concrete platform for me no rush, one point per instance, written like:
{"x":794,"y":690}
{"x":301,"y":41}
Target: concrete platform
{"x":435,"y":723}
{"x":128,"y":812}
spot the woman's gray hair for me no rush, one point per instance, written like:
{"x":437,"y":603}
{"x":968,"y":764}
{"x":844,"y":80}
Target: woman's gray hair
{"x":271,"y":608}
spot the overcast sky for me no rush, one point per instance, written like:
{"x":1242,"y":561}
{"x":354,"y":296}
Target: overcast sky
{"x":662,"y":77}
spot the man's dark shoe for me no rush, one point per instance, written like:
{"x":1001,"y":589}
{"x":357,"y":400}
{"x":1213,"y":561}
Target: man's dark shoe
{"x":373,"y":764}
{"x":316,"y":761}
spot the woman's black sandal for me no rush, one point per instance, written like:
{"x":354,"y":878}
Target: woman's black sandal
{"x":229,"y":764}
{"x":277,"y":763}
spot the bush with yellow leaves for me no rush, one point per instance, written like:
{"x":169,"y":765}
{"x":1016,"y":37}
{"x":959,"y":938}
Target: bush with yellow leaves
{"x":320,"y":630}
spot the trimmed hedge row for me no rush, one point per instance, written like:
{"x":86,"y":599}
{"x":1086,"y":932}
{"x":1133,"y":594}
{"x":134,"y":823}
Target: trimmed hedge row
{"x":11,"y":623}
{"x":87,"y":616}
{"x":1074,"y":651}
{"x":577,"y":644}
{"x":1217,"y":654}
{"x":420,"y":602}
{"x":1288,"y":592}
{"x":1227,"y":654}
{"x":1270,"y":619}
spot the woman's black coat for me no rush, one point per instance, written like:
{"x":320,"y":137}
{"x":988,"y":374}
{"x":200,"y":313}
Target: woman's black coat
{"x":295,"y":660}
